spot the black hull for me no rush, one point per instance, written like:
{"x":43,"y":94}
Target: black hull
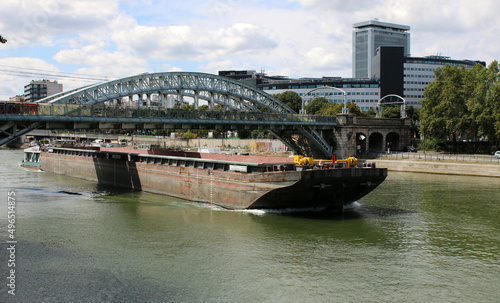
{"x":330,"y":189}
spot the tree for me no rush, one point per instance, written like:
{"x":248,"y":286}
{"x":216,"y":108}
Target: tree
{"x":203,"y":107}
{"x":480,"y":85}
{"x":463,"y":102}
{"x":244,"y":134}
{"x":444,"y":110}
{"x":353,"y":108}
{"x":413,"y":113}
{"x":291,"y":99}
{"x":391,"y":112}
{"x":370,"y":112}
{"x":331,"y":109}
{"x":188,"y":135}
{"x":316,"y":105}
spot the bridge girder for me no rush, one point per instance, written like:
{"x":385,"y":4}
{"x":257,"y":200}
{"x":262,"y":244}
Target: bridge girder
{"x":214,"y":89}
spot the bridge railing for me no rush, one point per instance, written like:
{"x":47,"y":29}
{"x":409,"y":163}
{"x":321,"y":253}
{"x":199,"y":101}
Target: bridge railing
{"x":103,"y":111}
{"x":16,"y":108}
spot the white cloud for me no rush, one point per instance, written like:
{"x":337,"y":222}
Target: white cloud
{"x":31,"y":70}
{"x":300,"y":38}
{"x":32,"y":22}
{"x":190,"y":42}
{"x":339,"y":5}
{"x":103,"y":63}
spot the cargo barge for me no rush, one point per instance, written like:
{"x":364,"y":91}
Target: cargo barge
{"x":229,"y":181}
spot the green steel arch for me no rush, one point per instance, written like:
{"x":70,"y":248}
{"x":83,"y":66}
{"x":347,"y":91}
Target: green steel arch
{"x":214,"y":89}
{"x":199,"y":86}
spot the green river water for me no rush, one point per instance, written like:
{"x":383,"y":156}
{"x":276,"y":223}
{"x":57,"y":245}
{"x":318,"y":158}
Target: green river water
{"x":417,"y":238}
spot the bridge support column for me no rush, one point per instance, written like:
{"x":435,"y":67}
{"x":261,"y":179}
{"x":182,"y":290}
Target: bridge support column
{"x":196,"y":99}
{"x":211,"y":105}
{"x":140,"y":100}
{"x":161,"y":99}
{"x":367,"y":142}
{"x":345,"y":136}
{"x":179,"y":98}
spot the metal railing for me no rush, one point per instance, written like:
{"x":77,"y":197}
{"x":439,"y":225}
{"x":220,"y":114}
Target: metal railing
{"x":125,"y":112}
{"x":445,"y":157}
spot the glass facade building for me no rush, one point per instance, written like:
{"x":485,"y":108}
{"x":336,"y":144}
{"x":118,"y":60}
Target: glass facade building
{"x":368,"y":36}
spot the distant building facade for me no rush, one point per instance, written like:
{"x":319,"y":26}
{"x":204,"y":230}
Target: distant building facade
{"x":39,"y":89}
{"x":382,"y":66}
{"x":18,"y":98}
{"x":419,"y":72}
{"x":364,"y":92}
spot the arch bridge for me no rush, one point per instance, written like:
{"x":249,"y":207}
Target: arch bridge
{"x":156,"y":100}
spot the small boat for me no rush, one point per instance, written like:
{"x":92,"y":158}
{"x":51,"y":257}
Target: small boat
{"x":31,"y":157}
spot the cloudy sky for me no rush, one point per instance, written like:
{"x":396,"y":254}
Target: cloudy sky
{"x":78,"y":42}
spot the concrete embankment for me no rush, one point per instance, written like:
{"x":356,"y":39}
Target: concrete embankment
{"x":435,"y":167}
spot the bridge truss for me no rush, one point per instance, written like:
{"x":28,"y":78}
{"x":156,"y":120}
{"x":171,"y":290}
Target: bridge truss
{"x":169,"y":89}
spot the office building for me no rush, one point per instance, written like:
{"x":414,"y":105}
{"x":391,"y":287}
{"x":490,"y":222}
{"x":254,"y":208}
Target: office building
{"x":368,"y":36}
{"x":419,"y":72}
{"x":382,"y":66}
{"x":40,"y":89}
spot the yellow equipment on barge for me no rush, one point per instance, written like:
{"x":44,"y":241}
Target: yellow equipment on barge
{"x":302,"y":161}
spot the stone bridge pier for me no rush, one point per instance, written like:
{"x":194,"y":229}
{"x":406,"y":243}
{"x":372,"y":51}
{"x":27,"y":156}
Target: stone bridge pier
{"x":358,"y":135}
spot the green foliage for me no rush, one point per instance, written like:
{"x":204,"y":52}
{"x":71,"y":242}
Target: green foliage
{"x":369,"y":112}
{"x":244,"y":134}
{"x":316,"y":105}
{"x":353,"y":108}
{"x":291,"y":99}
{"x":413,"y":113}
{"x":332,"y":109}
{"x":203,"y":108}
{"x":259,"y":134}
{"x":433,"y":144}
{"x":463,"y":101}
{"x":391,"y":112}
{"x":188,"y":135}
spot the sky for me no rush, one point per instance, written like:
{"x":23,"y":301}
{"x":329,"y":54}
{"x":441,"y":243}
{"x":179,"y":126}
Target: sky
{"x":86,"y":41}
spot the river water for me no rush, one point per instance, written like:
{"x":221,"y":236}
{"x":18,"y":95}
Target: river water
{"x":417,"y":238}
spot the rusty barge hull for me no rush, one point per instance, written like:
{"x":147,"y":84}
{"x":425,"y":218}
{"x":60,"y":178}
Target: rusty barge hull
{"x":263,"y":185}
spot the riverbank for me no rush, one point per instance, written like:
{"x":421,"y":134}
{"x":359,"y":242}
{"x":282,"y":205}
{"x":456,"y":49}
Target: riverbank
{"x":437,"y":167}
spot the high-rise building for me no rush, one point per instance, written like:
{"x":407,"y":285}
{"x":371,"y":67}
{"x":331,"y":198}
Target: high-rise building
{"x":37,"y":90}
{"x":382,"y":66}
{"x":368,"y":36}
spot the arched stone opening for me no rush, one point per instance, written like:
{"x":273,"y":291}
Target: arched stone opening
{"x":376,"y":142}
{"x":361,"y":141}
{"x":392,"y":140}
